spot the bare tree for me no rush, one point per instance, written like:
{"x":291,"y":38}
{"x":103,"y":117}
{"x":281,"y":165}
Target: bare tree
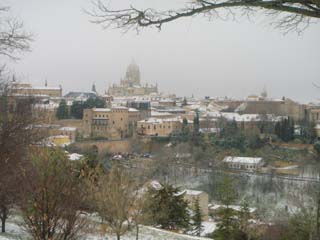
{"x":288,"y":15}
{"x":15,"y":135}
{"x":115,"y":197}
{"x":51,"y":195}
{"x":15,"y":116}
{"x":14,"y":40}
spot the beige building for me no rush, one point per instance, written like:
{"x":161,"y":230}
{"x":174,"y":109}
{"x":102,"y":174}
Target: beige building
{"x":111,"y":123}
{"x":278,"y":107}
{"x":160,"y":127}
{"x":313,"y":113}
{"x":25,"y":89}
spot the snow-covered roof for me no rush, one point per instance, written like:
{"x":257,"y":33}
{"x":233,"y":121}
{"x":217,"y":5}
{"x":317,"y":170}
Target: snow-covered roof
{"x":101,"y":109}
{"x":133,"y":110}
{"x":71,"y":129}
{"x":234,"y":207}
{"x":245,"y":160}
{"x":74,"y":156}
{"x":159,"y":114}
{"x":160,"y":120}
{"x":250,"y":117}
{"x":38,"y":88}
{"x":209,"y":130}
{"x":193,"y":192}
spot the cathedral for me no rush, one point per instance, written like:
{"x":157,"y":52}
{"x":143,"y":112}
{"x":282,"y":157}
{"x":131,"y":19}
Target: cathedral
{"x":131,"y":85}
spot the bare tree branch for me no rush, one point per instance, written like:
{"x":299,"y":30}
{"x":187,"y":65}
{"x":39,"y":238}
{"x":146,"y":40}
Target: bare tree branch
{"x":290,"y":13}
{"x":13,"y":38}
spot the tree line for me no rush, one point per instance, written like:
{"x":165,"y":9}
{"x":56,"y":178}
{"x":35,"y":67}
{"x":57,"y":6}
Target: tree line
{"x":75,"y":111}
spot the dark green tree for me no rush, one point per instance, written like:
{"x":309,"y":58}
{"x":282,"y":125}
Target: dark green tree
{"x":244,"y":216}
{"x":316,"y":147}
{"x":228,"y":227}
{"x":62,"y":111}
{"x":285,"y":129}
{"x":185,"y":133}
{"x":94,"y":103}
{"x":196,"y":136}
{"x":76,"y":110}
{"x":168,"y":208}
{"x":196,"y":218}
{"x":78,"y":107}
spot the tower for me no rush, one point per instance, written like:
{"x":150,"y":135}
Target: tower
{"x":133,"y":74}
{"x":93,"y":89}
{"x":264,"y":93}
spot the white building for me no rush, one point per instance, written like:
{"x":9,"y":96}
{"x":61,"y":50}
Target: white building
{"x":243,"y":163}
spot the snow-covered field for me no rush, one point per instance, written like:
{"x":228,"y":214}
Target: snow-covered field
{"x":15,"y":231}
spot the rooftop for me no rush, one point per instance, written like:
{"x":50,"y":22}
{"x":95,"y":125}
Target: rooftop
{"x":247,"y":160}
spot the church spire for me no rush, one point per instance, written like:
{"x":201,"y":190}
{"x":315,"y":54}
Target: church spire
{"x":264,"y":93}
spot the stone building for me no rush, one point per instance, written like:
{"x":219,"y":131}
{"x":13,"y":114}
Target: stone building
{"x":131,"y":85}
{"x":160,"y":127}
{"x":26,"y":89}
{"x":144,"y":108}
{"x":277,"y":107}
{"x":111,"y":123}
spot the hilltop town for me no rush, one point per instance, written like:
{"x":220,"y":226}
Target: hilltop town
{"x":269,"y":147}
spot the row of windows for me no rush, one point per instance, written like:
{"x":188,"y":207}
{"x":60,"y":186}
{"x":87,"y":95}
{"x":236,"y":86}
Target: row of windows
{"x":155,"y":127}
{"x":242,"y":166}
{"x":100,"y":122}
{"x":100,"y":115}
{"x":99,"y":128}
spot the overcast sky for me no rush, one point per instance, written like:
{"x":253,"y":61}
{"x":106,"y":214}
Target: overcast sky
{"x":191,"y":56}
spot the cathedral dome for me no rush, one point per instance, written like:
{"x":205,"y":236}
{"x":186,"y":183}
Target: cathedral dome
{"x":133,"y":74}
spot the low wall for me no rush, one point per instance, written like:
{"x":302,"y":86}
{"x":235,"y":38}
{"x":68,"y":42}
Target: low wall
{"x":103,"y":146}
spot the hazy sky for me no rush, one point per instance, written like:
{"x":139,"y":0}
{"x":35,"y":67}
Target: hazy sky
{"x":191,"y":56}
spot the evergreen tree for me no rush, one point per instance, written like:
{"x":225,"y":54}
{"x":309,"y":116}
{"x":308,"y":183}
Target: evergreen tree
{"x":76,"y":110}
{"x":316,"y":147}
{"x":168,"y":208}
{"x":62,"y":111}
{"x":285,"y":129}
{"x":197,"y":218}
{"x":94,"y":103}
{"x":185,"y":131}
{"x":228,"y":226}
{"x":244,"y":216}
{"x":196,"y":137}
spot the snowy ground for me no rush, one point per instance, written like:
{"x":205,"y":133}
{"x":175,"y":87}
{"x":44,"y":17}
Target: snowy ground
{"x":15,"y":232}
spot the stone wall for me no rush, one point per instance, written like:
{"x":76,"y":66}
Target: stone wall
{"x":123,"y":146}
